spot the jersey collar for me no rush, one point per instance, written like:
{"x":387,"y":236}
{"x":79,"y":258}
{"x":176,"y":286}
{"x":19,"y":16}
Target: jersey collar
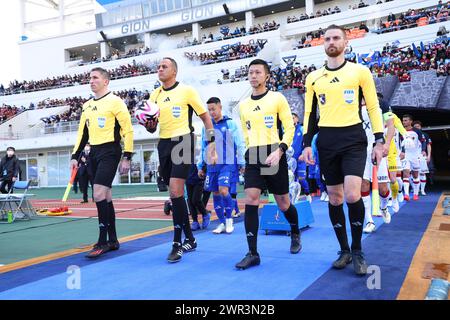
{"x":260,"y":96}
{"x":172,"y":87}
{"x":336,"y":69}
{"x":102,"y":96}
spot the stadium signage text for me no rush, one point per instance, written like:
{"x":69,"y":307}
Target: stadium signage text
{"x":197,"y":13}
{"x":136,"y":26}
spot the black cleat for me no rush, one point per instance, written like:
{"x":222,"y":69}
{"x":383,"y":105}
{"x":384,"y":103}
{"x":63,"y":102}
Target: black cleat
{"x":84,"y":201}
{"x":97,"y":251}
{"x":176,"y":253}
{"x":296,"y":243}
{"x":359,"y":264}
{"x":345,"y":257}
{"x":113,"y":245}
{"x":249,"y":260}
{"x":189,"y":245}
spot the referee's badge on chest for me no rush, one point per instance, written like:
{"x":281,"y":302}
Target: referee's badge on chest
{"x":322,"y":98}
{"x":176,"y":111}
{"x":268,"y":121}
{"x":349,"y":95}
{"x":101,"y":122}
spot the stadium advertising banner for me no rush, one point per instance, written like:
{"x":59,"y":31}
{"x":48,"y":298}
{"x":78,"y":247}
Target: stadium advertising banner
{"x":181,"y":17}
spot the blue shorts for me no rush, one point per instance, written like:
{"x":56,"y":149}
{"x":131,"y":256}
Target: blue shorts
{"x":234,"y":182}
{"x":314,"y":172}
{"x":222,"y":178}
{"x":300,"y":172}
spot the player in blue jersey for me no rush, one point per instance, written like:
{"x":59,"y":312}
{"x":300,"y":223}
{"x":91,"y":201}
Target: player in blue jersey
{"x":220,"y":176}
{"x":300,"y":172}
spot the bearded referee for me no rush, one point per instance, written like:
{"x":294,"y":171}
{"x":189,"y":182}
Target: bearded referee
{"x":105,"y":120}
{"x":336,"y":91}
{"x":177,"y":102}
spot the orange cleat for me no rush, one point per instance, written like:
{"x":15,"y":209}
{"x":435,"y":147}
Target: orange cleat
{"x":416,"y":197}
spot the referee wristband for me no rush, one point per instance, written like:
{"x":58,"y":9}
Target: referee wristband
{"x":283,"y":146}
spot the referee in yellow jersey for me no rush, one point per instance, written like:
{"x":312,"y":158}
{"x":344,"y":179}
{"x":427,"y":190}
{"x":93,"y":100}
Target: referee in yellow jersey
{"x":268,"y":130}
{"x":336,"y":91}
{"x":105,"y":120}
{"x":177,"y":102}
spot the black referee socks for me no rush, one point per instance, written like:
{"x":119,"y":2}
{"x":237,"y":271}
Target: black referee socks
{"x":292,"y":217}
{"x":251,"y":223}
{"x":102,"y":208}
{"x":180,"y":219}
{"x":356,"y":214}
{"x":337,"y":218}
{"x":112,"y":235}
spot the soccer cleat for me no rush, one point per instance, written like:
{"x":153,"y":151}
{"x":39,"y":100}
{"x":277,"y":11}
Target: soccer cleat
{"x":98,"y":250}
{"x":359,"y":264}
{"x":309,"y":198}
{"x":249,"y":260}
{"x":370,"y":227}
{"x":395,"y":206}
{"x":176,"y":253}
{"x":416,"y":197}
{"x":236,"y":214}
{"x":220,"y":228}
{"x":386,"y":215}
{"x":189,"y":245}
{"x":296,"y":243}
{"x":323,"y":196}
{"x":345,"y":257}
{"x":229,"y":225}
{"x":195,"y":226}
{"x":326,"y":198}
{"x":113,"y":245}
{"x":406,"y":197}
{"x":206,"y":220}
{"x":84,"y":201}
{"x":422,"y":193}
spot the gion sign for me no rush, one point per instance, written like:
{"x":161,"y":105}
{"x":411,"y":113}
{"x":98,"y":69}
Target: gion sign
{"x":187,"y":16}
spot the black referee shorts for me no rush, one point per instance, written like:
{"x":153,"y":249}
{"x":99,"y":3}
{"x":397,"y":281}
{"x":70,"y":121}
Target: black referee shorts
{"x":261,"y":176}
{"x":176,"y":155}
{"x":342,"y":152}
{"x":104,"y":159}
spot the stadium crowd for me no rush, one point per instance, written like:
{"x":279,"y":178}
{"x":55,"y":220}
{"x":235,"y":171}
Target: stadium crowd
{"x":227,"y":33}
{"x":228,"y":53}
{"x":125,"y":71}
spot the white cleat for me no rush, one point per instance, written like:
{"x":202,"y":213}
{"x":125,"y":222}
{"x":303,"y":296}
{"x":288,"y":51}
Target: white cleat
{"x":326,"y":199}
{"x":395,"y":206}
{"x":323,"y":196}
{"x":229,"y":226}
{"x":422,"y":193}
{"x":220,"y":228}
{"x":386,"y":215}
{"x":400,"y":197}
{"x":370,"y":227}
{"x":309,"y":198}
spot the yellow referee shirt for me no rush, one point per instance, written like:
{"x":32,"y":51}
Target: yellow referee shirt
{"x":336,"y":95}
{"x":262,"y":118}
{"x":104,"y":120}
{"x":175,"y":109}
